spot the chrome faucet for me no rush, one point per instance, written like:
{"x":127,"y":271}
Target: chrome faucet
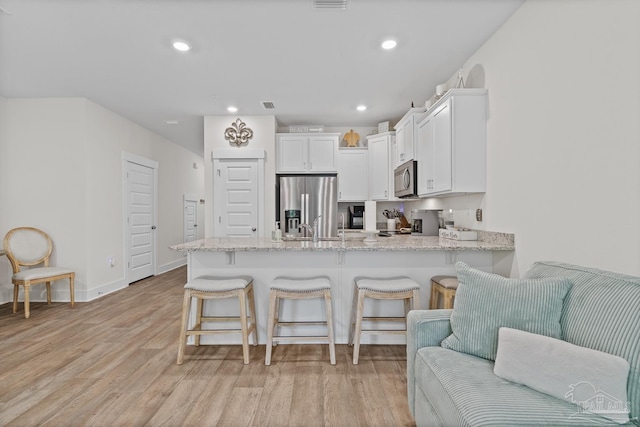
{"x":313,"y":229}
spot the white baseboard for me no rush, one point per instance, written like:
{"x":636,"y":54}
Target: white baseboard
{"x":171,"y":266}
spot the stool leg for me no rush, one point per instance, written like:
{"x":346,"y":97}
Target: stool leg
{"x":416,"y":300}
{"x":448,"y":299}
{"x":354,"y":310}
{"x":332,"y":344}
{"x":433,"y":301}
{"x":186,"y":303}
{"x":270,"y":325}
{"x":243,"y":326}
{"x":358,"y":331}
{"x":198,"y":324}
{"x":252,"y":307}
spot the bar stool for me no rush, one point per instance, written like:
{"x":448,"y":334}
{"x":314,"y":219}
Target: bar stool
{"x":396,"y":288}
{"x":207,"y":288}
{"x":298,"y":289}
{"x":445,"y":286}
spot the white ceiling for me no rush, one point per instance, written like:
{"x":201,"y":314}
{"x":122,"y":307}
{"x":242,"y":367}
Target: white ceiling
{"x":316,"y":66}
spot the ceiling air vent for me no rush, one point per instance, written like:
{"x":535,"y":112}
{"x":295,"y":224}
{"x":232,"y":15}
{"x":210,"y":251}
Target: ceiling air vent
{"x":330,"y":4}
{"x":268,"y":105}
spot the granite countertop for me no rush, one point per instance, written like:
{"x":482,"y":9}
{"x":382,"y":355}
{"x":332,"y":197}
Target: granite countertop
{"x":491,"y":242}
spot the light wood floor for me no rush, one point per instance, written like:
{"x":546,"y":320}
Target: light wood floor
{"x":112,"y":362}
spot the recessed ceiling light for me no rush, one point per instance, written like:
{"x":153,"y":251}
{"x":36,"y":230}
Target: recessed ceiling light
{"x":361,"y":107}
{"x":171,"y":122}
{"x":389,"y":44}
{"x":181,"y":46}
{"x":232,"y":109}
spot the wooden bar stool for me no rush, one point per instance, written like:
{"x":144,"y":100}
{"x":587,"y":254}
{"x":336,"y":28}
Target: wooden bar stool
{"x":382,"y":289}
{"x":207,"y":288}
{"x":298,"y":289}
{"x":445,"y":286}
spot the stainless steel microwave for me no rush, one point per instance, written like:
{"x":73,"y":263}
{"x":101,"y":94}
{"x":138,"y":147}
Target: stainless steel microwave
{"x":406,"y":179}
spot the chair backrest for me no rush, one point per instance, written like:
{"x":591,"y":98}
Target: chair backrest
{"x":27,"y":246}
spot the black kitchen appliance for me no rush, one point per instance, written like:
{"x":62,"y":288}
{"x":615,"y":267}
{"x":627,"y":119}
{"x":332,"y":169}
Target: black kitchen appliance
{"x":356,"y":217}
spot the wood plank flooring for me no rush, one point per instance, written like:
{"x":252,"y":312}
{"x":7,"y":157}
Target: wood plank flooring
{"x":112,"y":362}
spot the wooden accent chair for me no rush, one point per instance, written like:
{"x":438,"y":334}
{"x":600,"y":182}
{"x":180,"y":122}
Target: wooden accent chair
{"x":28,"y":246}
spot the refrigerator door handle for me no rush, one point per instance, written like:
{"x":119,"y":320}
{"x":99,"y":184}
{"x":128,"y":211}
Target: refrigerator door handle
{"x":306,"y":208}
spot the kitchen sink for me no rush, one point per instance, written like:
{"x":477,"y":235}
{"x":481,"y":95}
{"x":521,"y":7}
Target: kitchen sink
{"x":310,"y":239}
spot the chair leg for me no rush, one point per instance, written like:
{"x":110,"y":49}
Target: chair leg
{"x":332,"y":344}
{"x":27,"y":313}
{"x":358,"y":331}
{"x":48,"y":285}
{"x":16,"y":290}
{"x":254,"y":324}
{"x":243,"y":326}
{"x":270,"y":325}
{"x":71,"y":291}
{"x":186,"y":303}
{"x":448,"y":299}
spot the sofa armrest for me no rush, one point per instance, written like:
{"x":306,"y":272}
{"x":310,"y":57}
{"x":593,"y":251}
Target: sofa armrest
{"x":425,"y":328}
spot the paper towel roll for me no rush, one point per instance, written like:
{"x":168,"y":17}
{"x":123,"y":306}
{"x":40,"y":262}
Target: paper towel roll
{"x":369,"y":215}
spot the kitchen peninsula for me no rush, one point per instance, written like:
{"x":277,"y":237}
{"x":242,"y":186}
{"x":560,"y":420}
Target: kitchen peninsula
{"x":417,"y":257}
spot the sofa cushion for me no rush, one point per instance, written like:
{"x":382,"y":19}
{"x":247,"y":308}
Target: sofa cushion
{"x":463,"y":391}
{"x":595,"y":380}
{"x":485,"y":302}
{"x":601,"y":312}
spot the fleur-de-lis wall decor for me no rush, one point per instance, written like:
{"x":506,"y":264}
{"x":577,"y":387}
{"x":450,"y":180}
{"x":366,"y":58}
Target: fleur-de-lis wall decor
{"x":238,"y":133}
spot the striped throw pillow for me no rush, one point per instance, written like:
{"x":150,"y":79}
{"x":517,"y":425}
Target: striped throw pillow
{"x":485,"y":302}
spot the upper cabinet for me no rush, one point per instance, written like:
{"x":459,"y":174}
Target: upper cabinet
{"x":451,"y":140}
{"x":306,"y":153}
{"x":406,"y":136}
{"x":352,"y":172}
{"x":381,"y":165}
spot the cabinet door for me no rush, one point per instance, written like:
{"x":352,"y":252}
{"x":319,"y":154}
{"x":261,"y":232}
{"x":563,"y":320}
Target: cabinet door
{"x":425,"y":155}
{"x":442,"y":149}
{"x":352,"y":175}
{"x":291,"y":153}
{"x":379,"y":169}
{"x":409,"y":153}
{"x":400,"y":142}
{"x":322,"y":154}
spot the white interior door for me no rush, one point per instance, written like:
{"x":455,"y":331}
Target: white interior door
{"x":236,"y":195}
{"x":140,"y":213}
{"x":190,"y":218}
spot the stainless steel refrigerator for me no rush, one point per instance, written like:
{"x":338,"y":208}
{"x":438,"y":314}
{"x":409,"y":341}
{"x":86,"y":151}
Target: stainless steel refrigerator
{"x":305,"y":198}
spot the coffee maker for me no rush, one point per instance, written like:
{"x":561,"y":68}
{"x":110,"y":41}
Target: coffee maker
{"x":356,"y":217}
{"x":292,"y":222}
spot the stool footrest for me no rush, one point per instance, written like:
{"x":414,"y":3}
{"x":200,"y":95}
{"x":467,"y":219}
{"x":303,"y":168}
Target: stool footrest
{"x":385,"y":331}
{"x":223,"y":319}
{"x":301,"y":323}
{"x":384,"y":319}
{"x":301,"y":338}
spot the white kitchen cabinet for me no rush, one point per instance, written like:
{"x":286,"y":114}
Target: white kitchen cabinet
{"x":306,"y":153}
{"x":405,"y":136}
{"x":352,"y":174}
{"x":381,"y":165}
{"x":451,"y":144}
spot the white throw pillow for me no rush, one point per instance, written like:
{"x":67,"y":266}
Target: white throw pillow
{"x":594,"y":380}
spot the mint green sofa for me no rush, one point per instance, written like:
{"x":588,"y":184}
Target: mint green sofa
{"x":448,"y":388}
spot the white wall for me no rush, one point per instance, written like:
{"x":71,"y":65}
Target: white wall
{"x":563,"y":133}
{"x":65,"y":158}
{"x":264,"y":130}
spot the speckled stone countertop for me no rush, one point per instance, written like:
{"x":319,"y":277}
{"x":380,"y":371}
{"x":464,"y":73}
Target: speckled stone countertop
{"x":394,"y":243}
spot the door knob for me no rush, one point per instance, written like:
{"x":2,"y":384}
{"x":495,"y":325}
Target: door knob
{"x":253,"y":229}
{"x":153,"y":227}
